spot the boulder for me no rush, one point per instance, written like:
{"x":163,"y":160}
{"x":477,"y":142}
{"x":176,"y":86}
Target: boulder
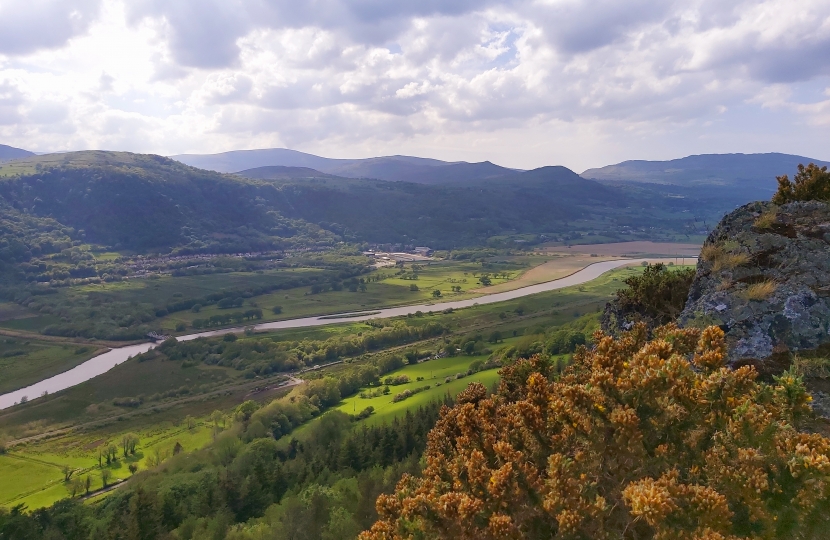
{"x":764,"y":277}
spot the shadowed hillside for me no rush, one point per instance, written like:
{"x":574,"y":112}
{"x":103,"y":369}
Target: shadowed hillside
{"x":8,"y":153}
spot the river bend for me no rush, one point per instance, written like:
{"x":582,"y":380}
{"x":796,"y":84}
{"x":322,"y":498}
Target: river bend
{"x":104,"y":362}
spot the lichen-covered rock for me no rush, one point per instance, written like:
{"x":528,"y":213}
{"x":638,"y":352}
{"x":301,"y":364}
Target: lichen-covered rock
{"x":764,"y":277}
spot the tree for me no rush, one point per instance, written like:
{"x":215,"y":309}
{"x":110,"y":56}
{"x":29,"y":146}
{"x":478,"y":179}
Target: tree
{"x":436,"y":293}
{"x":129,"y":443}
{"x":413,"y":288}
{"x":276,"y":310}
{"x":106,"y":474}
{"x":133,"y":467}
{"x":637,"y":439}
{"x":244,"y":411}
{"x":74,"y":486}
{"x":112,"y":453}
{"x":144,"y":521}
{"x":190,"y":422}
{"x":87,"y":484}
{"x":67,"y":472}
{"x":485,"y":280}
{"x":101,"y":453}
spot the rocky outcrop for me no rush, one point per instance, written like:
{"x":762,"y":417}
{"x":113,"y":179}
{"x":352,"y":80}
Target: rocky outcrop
{"x":764,"y":277}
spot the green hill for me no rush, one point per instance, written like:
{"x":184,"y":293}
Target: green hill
{"x":144,"y":203}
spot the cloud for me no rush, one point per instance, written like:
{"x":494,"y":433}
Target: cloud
{"x":42,"y":24}
{"x":631,"y":78}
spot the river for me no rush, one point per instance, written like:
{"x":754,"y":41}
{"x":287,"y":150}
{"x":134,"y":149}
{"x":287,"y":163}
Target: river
{"x":104,"y":362}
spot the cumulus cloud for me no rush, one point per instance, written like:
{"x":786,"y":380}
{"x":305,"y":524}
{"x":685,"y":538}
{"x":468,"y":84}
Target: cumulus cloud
{"x":628,"y":79}
{"x":42,"y":24}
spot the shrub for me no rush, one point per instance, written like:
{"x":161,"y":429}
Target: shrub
{"x":657,"y":293}
{"x":637,"y":439}
{"x":811,"y":183}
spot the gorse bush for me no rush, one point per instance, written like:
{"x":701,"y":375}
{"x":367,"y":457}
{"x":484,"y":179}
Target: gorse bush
{"x":811,"y":183}
{"x":638,"y":439}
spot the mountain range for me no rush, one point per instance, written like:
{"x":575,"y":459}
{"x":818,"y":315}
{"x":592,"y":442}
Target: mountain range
{"x":750,"y":174}
{"x":391,"y":168}
{"x":279,"y":198}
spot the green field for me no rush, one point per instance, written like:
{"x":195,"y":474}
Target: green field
{"x":390,"y":290}
{"x":159,"y":423}
{"x":434,"y":373}
{"x":26,"y":361}
{"x":94,"y":398}
{"x":32,"y":475}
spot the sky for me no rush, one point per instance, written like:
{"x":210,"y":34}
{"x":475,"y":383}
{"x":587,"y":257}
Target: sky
{"x":580,"y":83}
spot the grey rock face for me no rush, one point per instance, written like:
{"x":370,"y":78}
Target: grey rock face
{"x":766,"y":282}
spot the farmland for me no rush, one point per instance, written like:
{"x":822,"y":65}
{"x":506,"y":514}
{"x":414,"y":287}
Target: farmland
{"x":86,"y":416}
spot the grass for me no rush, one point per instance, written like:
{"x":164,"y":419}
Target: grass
{"x":759,"y":291}
{"x":24,"y":361}
{"x":33,"y":474}
{"x":22,"y":478}
{"x":434,"y":373}
{"x":159,"y":427}
{"x":391,"y":290}
{"x":723,"y":259}
{"x":809,"y":366}
{"x":554,"y":266}
{"x":93,"y":399}
{"x":767,"y":219}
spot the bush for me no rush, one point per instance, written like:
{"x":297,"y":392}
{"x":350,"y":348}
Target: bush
{"x":811,"y":183}
{"x":637,"y":439}
{"x":365,"y":413}
{"x":658,"y":293}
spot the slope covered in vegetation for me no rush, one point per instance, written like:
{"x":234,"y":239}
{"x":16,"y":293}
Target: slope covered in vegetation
{"x":633,"y":441}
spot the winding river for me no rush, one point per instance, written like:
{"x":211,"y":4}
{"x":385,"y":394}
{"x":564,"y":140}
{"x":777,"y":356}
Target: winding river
{"x":104,"y":362}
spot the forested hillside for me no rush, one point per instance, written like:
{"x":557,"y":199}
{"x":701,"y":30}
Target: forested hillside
{"x":146,"y":203}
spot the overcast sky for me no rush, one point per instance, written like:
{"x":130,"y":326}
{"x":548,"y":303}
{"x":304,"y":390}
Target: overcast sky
{"x":580,"y":83}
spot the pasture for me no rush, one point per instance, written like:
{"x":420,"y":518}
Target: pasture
{"x":434,"y":373}
{"x":33,"y":474}
{"x":27,"y":361}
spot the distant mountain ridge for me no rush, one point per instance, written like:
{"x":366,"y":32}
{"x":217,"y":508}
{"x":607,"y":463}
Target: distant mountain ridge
{"x":280,"y":172}
{"x":8,"y":153}
{"x":390,"y":168}
{"x":756,"y":171}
